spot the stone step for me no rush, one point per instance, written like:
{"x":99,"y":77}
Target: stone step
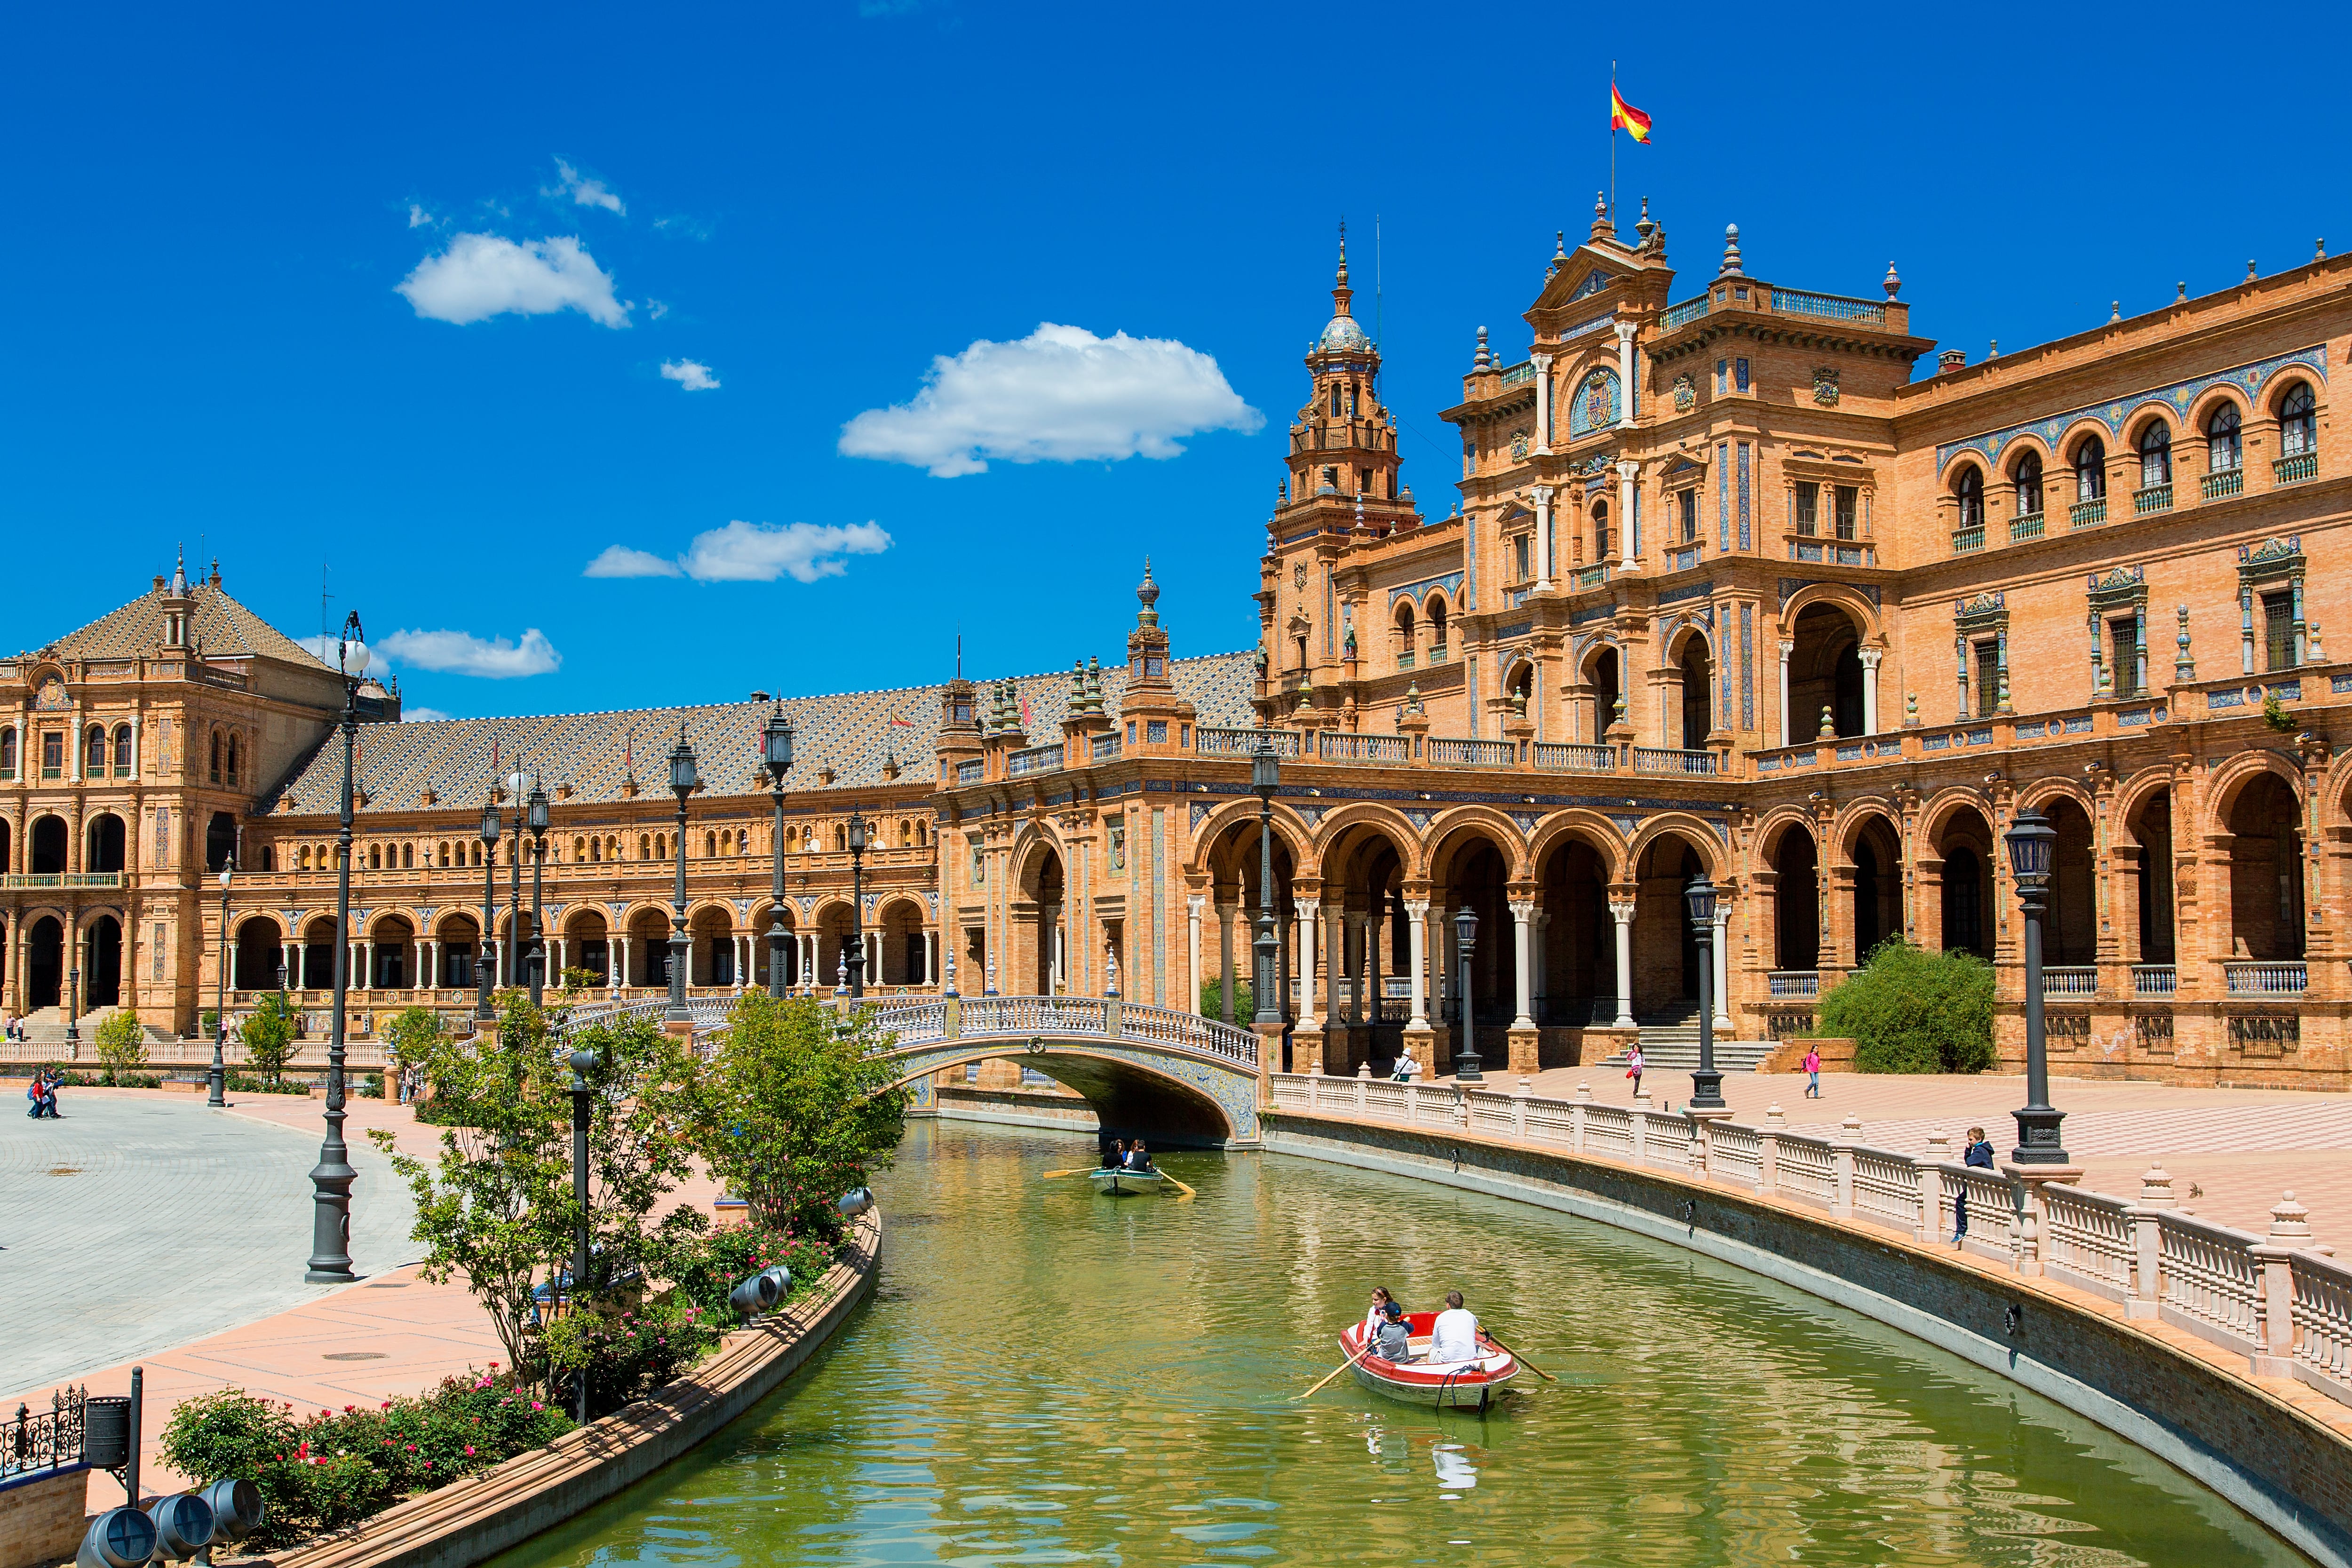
{"x":1681,"y":1056}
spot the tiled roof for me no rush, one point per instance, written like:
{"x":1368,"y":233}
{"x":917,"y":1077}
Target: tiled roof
{"x":596,"y":753}
{"x":223,"y":628}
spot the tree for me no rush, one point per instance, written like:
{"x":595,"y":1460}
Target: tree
{"x":410,"y":1035}
{"x":496,"y":1204}
{"x":268,"y":1036}
{"x":796,"y":1109}
{"x":1907,"y":1010}
{"x":1213,"y":999}
{"x":121,"y":1044}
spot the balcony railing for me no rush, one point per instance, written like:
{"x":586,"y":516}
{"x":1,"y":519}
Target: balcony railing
{"x":1241,"y":743}
{"x":1404,"y":659}
{"x":1345,"y":746}
{"x":1965,"y":540}
{"x":1667,"y":760}
{"x":63,"y":879}
{"x":972,"y":771}
{"x":1785,"y":982}
{"x":2084,"y":513}
{"x":1571,"y":757}
{"x":1451,"y":753}
{"x":2270,"y":979}
{"x":2155,"y":498}
{"x":2026,"y":527}
{"x":2070,"y":981}
{"x":1828,"y":307}
{"x":2154,"y":980}
{"x":1035,"y":760}
{"x":1522,"y":372}
{"x":1688,"y":310}
{"x":2228,"y":482}
{"x":2292,"y":470}
{"x":1437,"y":653}
{"x":1591,"y":576}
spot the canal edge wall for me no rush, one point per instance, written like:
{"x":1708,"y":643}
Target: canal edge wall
{"x":2277,"y":1463}
{"x":475,"y":1518}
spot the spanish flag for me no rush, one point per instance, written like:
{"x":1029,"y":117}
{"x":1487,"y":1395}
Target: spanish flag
{"x":1623,"y":116}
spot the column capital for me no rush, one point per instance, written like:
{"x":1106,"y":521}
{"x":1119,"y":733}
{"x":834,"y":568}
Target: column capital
{"x":1788,"y":647}
{"x":1544,"y":493}
{"x":1523,"y":910}
{"x":1625,"y":331}
{"x":1194,"y":902}
{"x":1869,"y":656}
{"x":1541,"y":362}
{"x":1621,"y":911}
{"x":1417,"y":908}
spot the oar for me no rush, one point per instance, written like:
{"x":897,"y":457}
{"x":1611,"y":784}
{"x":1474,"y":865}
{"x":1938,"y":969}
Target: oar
{"x":1177,"y":1185}
{"x":1529,"y":1365}
{"x":1078,"y":1171}
{"x":1336,"y":1371}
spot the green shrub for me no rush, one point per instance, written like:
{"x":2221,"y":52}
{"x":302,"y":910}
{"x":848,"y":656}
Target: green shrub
{"x":75,"y":1079}
{"x":268,"y":1036}
{"x":410,"y":1035}
{"x":705,"y":1268}
{"x":628,"y":1351}
{"x":1911,"y":1011}
{"x":1213,"y":999}
{"x":245,"y":1083}
{"x":121,"y":1044}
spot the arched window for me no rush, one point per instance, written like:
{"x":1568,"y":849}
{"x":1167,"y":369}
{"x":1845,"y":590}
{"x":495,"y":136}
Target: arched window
{"x":1600,"y":531}
{"x":2090,"y":470}
{"x":94,"y":753}
{"x":477,"y":854}
{"x":661,"y":845}
{"x":2154,"y":455}
{"x":922,"y":834}
{"x":122,"y":751}
{"x":1436,"y":629}
{"x":305,"y":857}
{"x":444,"y":853}
{"x":2028,"y":475}
{"x":2298,"y":421}
{"x":1595,"y":406}
{"x":578,"y":850}
{"x":9,"y":753}
{"x":2221,"y":447}
{"x":232,"y":757}
{"x":840,"y":839}
{"x":214,"y":774}
{"x":1969,"y":490}
{"x":375,"y":857}
{"x":408,"y":857}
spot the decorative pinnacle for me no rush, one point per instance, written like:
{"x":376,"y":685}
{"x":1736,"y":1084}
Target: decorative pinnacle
{"x":2115,"y":311}
{"x":1642,"y":226}
{"x":2180,"y":291}
{"x":1147,"y":591}
{"x":1891,"y":283}
{"x":1558,"y":250}
{"x":1730,"y":251}
{"x":1483,"y":360}
{"x":1343,"y":253}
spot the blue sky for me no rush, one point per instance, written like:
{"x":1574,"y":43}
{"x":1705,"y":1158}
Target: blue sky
{"x":431,"y":298}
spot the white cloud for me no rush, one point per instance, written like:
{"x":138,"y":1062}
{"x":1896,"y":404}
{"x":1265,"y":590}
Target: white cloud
{"x":752,"y":552}
{"x":462,"y":653}
{"x":657,"y":309}
{"x":584,"y":192}
{"x":1060,"y":394}
{"x":421,"y":715}
{"x":417,"y":217}
{"x":688,"y":373}
{"x":620,"y":560}
{"x":482,"y":275}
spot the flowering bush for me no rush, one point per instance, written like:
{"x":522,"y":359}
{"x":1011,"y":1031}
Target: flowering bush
{"x":709,"y":1266}
{"x":628,"y":1351}
{"x":321,"y":1471}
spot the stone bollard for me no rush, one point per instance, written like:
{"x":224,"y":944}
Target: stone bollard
{"x":1576,"y":1117}
{"x":1519,"y":1109}
{"x":2146,"y":1297}
{"x":1939,"y":1147}
{"x":1768,"y":1138}
{"x":1927,"y":1171}
{"x":1842,"y":1162}
{"x":2289,"y":1230}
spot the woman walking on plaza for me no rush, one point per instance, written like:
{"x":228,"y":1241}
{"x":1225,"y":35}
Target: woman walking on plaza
{"x":1812,"y":1072}
{"x":1634,"y":1066}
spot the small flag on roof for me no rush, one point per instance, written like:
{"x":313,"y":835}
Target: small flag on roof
{"x":1623,"y":116}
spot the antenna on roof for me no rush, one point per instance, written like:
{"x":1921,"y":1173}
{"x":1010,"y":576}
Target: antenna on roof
{"x":1376,"y":279}
{"x":958,"y":675}
{"x":323,"y":597}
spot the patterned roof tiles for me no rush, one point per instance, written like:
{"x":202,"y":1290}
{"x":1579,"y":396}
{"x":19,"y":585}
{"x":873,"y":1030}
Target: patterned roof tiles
{"x":596,"y":753}
{"x":223,"y":628}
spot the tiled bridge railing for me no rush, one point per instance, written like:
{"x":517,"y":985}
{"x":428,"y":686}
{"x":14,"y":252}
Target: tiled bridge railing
{"x":2284,"y":1307}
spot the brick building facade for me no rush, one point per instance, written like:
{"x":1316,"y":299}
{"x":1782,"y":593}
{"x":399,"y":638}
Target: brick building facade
{"x":1727,"y":586}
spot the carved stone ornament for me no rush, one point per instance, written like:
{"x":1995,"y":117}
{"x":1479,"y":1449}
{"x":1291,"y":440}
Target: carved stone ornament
{"x":1825,"y":385}
{"x":1298,"y":574}
{"x":1518,"y":444}
{"x":1686,"y":393}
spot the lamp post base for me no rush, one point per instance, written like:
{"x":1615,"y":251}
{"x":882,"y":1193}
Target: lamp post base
{"x":2037,"y":1137}
{"x":1706,"y":1090}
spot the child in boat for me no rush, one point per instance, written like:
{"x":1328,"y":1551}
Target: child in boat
{"x":1455,"y":1336}
{"x":1382,"y":1302}
{"x":1393,"y":1340}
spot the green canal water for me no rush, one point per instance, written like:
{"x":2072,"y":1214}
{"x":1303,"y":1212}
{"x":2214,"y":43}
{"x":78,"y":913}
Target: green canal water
{"x":1050,"y":1376}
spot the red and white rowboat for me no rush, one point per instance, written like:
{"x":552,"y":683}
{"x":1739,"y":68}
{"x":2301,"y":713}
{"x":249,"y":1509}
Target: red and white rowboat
{"x":1440,"y":1385}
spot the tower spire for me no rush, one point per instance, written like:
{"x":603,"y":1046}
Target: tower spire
{"x":1340,"y":293}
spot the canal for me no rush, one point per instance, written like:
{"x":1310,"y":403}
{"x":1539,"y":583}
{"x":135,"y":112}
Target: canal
{"x":1050,"y":1376}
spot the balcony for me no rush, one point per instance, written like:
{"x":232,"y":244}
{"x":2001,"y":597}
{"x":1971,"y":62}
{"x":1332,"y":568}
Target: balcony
{"x":39,"y":880}
{"x":1105,"y":748}
{"x":1965,"y":540}
{"x":2226,"y":483}
{"x":2087,"y":513}
{"x":1347,"y":746}
{"x":1525,"y":371}
{"x":1404,"y":661}
{"x":2295,"y":469}
{"x":2026,"y":527}
{"x":1828,"y":307}
{"x":2072,"y":981}
{"x":1688,"y":310}
{"x":1792,"y":982}
{"x":1663,"y":760}
{"x":1571,"y":757}
{"x":2154,"y":980}
{"x":1243,"y":742}
{"x":1035,"y":760}
{"x":1472,"y":754}
{"x":2269,"y":979}
{"x":1437,"y":653}
{"x":2155,"y":498}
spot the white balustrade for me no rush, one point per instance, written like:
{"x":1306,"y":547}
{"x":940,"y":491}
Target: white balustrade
{"x":2087,"y":1240}
{"x":2210,"y":1284}
{"x":1808,"y":1170}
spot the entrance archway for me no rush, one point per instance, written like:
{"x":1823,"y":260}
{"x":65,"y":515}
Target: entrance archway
{"x":2266,"y":908}
{"x":258,"y":949}
{"x":103,"y":983}
{"x":1796,"y":901}
{"x":44,"y":967}
{"x":1824,"y":671}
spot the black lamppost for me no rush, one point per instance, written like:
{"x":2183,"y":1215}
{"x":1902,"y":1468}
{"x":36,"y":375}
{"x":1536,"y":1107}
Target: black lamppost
{"x":1466,"y":937}
{"x":857,"y":831}
{"x":537,"y":819}
{"x":1265,"y":777}
{"x":776,"y":750}
{"x":682,"y":783}
{"x":482,"y":1011}
{"x":583,"y":1064}
{"x":73,"y":999}
{"x":331,"y":1178}
{"x":511,"y":952}
{"x":217,"y":1079}
{"x":1706,"y":1084}
{"x":2030,"y":841}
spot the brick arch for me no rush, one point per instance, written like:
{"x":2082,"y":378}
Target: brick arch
{"x":1590,"y":828}
{"x":1774,"y":825}
{"x":2038,"y":795}
{"x":1288,"y":829}
{"x":2226,"y":780}
{"x":1030,"y":840}
{"x":2136,"y":421}
{"x":1482,"y":821}
{"x":2219,"y":392}
{"x":1682,"y":824}
{"x":1857,"y":608}
{"x":1390,"y":823}
{"x":1937,"y":812}
{"x":1858,"y":815}
{"x":2131,"y":794}
{"x":2072,"y":437}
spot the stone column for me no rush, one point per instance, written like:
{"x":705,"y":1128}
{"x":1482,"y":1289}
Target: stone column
{"x":1225,"y":962}
{"x":1722,"y":967}
{"x":1416,"y":919}
{"x":1374,"y":928}
{"x":1353,"y":954}
{"x":620,"y":957}
{"x":1787,"y":649}
{"x":1625,"y":468}
{"x":1193,"y":903}
{"x":1523,"y":912}
{"x":1543,"y":364}
{"x":1870,"y":658}
{"x":1622,"y":913}
{"x":1310,"y":1007}
{"x":1543,"y":494}
{"x":1625,"y":380}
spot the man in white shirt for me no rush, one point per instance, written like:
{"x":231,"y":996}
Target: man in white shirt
{"x":1407,"y":1070}
{"x":1455,"y":1337}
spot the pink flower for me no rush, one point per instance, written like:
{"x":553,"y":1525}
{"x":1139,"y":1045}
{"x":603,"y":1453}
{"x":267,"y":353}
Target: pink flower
{"x":412,"y":1447}
{"x":535,"y":1405}
{"x":470,"y":1450}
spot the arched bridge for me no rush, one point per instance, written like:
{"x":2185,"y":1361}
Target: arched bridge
{"x":1166,"y":1075}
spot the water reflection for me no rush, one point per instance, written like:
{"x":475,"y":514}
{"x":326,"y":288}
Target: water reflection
{"x":1051,"y":1376}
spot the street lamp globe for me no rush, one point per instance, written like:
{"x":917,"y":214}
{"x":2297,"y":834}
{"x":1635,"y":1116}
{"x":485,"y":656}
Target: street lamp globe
{"x":1265,"y":769}
{"x":1466,"y":1066}
{"x":682,"y":779}
{"x":858,"y":834}
{"x":2031,"y":841}
{"x":1698,"y":894}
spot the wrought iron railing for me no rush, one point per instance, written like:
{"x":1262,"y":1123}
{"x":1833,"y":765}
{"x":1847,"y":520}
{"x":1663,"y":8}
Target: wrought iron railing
{"x":49,"y":1439}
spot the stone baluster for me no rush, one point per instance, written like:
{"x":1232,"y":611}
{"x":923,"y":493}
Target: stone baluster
{"x":2156,"y":1196}
{"x":1519,"y":1111}
{"x":1842,"y":1162}
{"x":1768,"y":1138}
{"x":2289,"y":1230}
{"x":1576,"y":1117}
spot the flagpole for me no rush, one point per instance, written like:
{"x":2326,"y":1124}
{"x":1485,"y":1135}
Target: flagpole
{"x":1612,"y":141}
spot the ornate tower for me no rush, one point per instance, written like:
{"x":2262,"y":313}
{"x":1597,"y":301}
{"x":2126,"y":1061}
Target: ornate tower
{"x":1343,"y":442}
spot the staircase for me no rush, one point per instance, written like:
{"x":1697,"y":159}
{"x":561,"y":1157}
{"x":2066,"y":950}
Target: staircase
{"x":1670,"y":1044}
{"x":47,"y":1027}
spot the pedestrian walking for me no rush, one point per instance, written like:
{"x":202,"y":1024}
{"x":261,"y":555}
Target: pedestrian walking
{"x":1634,"y":1066}
{"x":1812,"y":1072}
{"x":1978,"y":1153}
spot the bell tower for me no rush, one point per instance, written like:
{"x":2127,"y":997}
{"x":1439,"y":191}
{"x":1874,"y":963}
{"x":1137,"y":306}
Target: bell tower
{"x":1343,"y":442}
